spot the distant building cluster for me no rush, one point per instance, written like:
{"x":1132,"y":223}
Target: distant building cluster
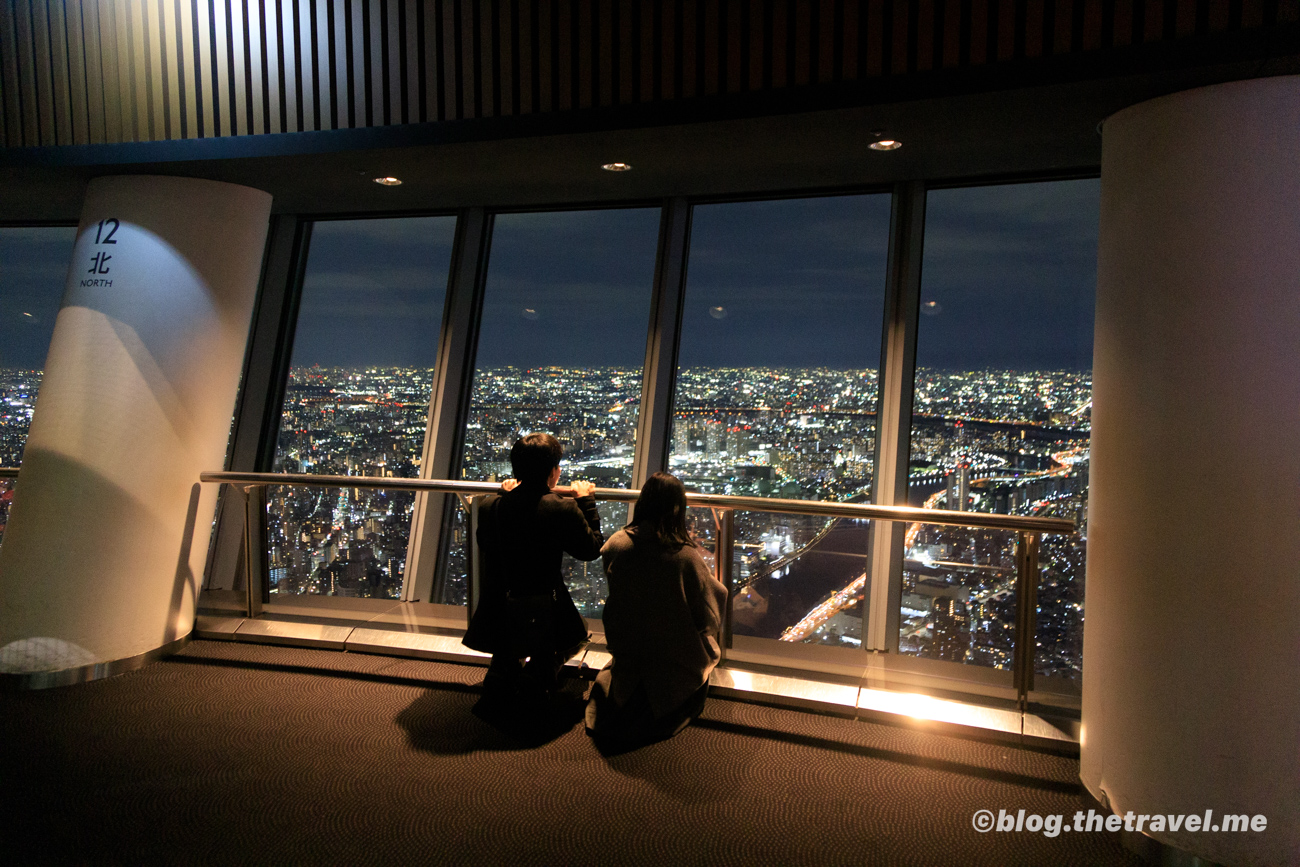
{"x":1006,"y":441}
{"x":347,"y":422}
{"x":18,"y":390}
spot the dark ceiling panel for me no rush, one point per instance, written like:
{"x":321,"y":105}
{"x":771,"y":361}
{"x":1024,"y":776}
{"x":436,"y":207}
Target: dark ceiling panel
{"x":94,"y":71}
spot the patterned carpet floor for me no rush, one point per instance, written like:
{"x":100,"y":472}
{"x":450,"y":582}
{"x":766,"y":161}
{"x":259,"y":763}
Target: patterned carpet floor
{"x":245,"y":754}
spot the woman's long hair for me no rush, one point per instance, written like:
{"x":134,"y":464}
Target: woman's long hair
{"x":661,"y":512}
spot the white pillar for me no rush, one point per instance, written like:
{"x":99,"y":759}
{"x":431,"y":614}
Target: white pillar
{"x":107,"y":535}
{"x":1192,"y":635}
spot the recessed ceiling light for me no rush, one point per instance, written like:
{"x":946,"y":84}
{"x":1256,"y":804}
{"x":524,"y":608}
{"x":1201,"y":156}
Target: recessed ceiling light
{"x":617,"y":167}
{"x":389,"y":182}
{"x":885,"y":144}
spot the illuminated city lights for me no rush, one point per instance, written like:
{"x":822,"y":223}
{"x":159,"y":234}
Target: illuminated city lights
{"x":796,"y":433}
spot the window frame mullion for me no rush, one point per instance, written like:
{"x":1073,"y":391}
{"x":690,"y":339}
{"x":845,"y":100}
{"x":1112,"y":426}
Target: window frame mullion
{"x":896,"y":385}
{"x":659,"y":375}
{"x":261,"y":393}
{"x":449,"y":399}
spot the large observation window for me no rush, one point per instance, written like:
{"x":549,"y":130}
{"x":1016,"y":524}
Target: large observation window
{"x":1001,"y":417}
{"x":776,"y":396}
{"x":561,"y":348}
{"x":357,"y":403}
{"x":33,"y":267}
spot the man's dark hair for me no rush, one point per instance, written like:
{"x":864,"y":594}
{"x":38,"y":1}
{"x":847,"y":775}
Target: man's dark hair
{"x":534,"y":456}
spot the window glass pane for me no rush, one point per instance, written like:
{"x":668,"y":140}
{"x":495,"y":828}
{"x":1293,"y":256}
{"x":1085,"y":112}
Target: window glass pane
{"x":776,"y":396}
{"x":33,"y":268}
{"x":566,"y":311}
{"x":1001,"y":416}
{"x":357,"y":403}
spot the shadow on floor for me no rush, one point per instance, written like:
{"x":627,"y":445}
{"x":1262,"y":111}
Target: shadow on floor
{"x":456,"y":723}
{"x":686,"y":767}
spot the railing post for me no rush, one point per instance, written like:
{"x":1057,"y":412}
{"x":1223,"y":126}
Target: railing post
{"x":472,"y":557}
{"x":1026,"y":615}
{"x":723,"y":558}
{"x":254,"y":514}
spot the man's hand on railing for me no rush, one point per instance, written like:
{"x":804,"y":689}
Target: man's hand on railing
{"x":576,"y":489}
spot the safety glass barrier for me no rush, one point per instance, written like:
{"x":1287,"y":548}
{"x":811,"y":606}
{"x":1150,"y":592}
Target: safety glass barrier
{"x":970,"y":585}
{"x":702,"y":523}
{"x":1058,"y":633}
{"x":457,"y":577}
{"x":800,"y":579}
{"x":348,"y":542}
{"x":586,"y":580}
{"x":958,"y":602}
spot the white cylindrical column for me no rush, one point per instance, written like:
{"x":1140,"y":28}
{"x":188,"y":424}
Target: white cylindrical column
{"x":106,"y":539}
{"x":1193,"y":584}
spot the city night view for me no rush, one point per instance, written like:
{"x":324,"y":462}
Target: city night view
{"x":33,"y":267}
{"x":1011,"y":442}
{"x":775,"y":396}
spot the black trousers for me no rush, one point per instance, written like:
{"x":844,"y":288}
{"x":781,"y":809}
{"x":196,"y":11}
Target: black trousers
{"x":539,"y":674}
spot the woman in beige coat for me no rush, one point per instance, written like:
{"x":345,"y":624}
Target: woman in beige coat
{"x":663,"y":620}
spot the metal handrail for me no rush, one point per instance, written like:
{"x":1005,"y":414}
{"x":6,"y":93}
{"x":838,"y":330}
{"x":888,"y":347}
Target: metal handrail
{"x":1027,"y":529}
{"x":865,"y":511}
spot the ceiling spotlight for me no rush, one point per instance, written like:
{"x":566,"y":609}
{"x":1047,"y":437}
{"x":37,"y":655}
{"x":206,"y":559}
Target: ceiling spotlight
{"x":389,"y":182}
{"x":617,"y":167}
{"x":885,"y":144}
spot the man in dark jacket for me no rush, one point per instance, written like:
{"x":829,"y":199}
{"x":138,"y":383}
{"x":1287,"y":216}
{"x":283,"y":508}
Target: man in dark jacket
{"x":525,"y":617}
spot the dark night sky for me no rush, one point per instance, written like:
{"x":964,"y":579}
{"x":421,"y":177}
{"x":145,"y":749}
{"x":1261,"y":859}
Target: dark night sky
{"x":801,"y":283}
{"x":373,"y":292}
{"x":1011,"y":271}
{"x":33,"y":269}
{"x":587,"y":278}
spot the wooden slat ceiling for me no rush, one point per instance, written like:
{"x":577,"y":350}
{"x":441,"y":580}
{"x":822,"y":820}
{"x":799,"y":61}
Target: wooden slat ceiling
{"x":108,"y":71}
